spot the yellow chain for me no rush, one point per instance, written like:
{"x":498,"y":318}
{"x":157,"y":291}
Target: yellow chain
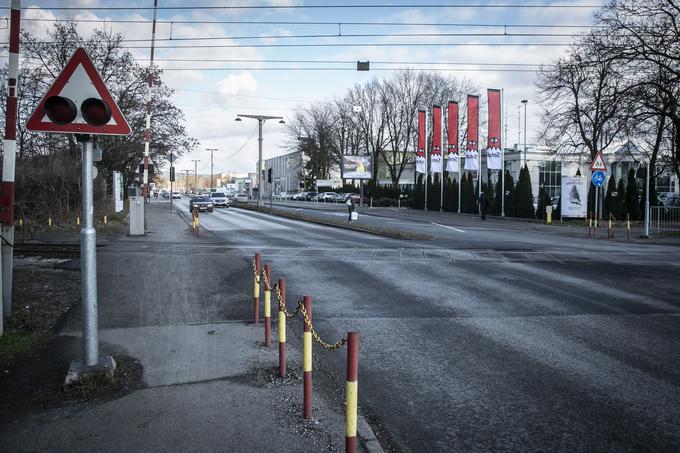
{"x":267,"y":283}
{"x":301,"y":308}
{"x":337,"y":345}
{"x":282,"y":307}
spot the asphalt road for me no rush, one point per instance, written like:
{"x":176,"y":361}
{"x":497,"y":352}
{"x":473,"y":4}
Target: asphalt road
{"x":496,"y":336}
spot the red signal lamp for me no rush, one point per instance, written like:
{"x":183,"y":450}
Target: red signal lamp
{"x":60,"y":110}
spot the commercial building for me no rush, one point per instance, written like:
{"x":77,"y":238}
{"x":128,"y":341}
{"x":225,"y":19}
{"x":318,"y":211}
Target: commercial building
{"x":286,"y":173}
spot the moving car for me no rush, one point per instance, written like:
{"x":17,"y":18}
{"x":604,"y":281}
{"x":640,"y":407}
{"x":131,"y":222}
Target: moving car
{"x":176,"y":195}
{"x":242,"y":197}
{"x":219,"y":199}
{"x":201,"y":203}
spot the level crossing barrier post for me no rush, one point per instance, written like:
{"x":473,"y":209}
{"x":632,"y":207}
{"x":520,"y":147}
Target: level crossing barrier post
{"x":307,"y":360}
{"x":282,"y":328}
{"x":267,"y":305}
{"x":351,"y":392}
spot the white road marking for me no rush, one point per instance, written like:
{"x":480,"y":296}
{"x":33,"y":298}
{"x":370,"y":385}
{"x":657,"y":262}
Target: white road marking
{"x":449,"y":227}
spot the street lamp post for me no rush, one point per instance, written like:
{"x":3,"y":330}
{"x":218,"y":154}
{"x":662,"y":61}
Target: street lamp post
{"x":195,"y":161}
{"x":260,"y":120}
{"x":212,"y":150}
{"x":525,"y":101}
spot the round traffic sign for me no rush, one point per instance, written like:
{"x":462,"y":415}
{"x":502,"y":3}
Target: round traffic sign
{"x":598,"y":178}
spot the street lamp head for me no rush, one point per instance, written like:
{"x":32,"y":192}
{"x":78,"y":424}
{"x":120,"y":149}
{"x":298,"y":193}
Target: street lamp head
{"x":524,"y":101}
{"x":282,"y":122}
{"x":238,"y":119}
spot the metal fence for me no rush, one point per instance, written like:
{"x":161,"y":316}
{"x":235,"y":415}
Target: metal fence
{"x":664,"y":218}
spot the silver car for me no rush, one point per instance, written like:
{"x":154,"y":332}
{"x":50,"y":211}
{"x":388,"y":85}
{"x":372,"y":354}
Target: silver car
{"x":219,"y":199}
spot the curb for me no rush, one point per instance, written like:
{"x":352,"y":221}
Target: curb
{"x":368,"y":439}
{"x":394,"y":234}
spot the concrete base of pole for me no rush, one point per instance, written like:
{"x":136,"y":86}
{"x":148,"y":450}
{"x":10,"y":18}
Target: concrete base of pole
{"x":77,"y":372}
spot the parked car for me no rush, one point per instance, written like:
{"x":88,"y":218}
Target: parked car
{"x":219,"y":199}
{"x":356,"y":196}
{"x":300,"y":196}
{"x":165,"y":194}
{"x":326,"y":196}
{"x":664,"y":196}
{"x":176,"y":195}
{"x":201,"y":203}
{"x":309,"y":196}
{"x":242,"y":197}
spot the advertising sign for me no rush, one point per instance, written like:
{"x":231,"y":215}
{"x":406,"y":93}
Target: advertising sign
{"x":574,"y":196}
{"x":357,"y":167}
{"x":118,"y":190}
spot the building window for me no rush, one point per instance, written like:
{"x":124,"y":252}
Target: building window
{"x":550,"y":177}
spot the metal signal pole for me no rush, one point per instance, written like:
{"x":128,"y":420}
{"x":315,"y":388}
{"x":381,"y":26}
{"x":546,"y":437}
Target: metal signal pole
{"x":8,"y":164}
{"x":212,"y":150}
{"x":147,"y":140}
{"x":195,"y":161}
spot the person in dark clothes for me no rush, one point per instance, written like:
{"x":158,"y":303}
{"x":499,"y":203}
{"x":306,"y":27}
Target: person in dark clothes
{"x":483,"y":203}
{"x":351,"y":207}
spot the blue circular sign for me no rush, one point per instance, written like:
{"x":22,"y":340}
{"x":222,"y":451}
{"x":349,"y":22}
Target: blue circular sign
{"x":598,"y":178}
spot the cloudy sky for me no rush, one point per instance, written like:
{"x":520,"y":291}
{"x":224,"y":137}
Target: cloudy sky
{"x":281,"y":51}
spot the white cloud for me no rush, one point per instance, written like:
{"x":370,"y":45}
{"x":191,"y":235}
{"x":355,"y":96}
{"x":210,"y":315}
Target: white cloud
{"x":242,"y":83}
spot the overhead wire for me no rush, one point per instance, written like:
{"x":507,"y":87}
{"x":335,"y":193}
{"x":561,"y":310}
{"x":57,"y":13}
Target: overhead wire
{"x":326,"y":6}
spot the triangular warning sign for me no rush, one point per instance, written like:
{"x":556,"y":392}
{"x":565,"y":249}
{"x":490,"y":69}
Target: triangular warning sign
{"x":598,"y":163}
{"x":79,"y":81}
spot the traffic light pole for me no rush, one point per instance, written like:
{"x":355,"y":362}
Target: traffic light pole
{"x":88,"y":260}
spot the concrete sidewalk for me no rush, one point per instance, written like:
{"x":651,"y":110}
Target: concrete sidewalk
{"x":209,"y":384}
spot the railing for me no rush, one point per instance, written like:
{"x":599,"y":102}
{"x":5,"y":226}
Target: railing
{"x":664,"y":218}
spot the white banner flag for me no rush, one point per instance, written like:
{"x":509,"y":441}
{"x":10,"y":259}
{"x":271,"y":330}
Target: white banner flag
{"x":420,"y":164}
{"x":494,"y":158}
{"x":471,"y":160}
{"x":452,"y":162}
{"x":436,"y":163}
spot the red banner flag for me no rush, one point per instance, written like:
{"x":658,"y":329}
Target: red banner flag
{"x":420,"y":152}
{"x":452,"y":137}
{"x":471,"y":153}
{"x":494,"y":149}
{"x":436,"y":155}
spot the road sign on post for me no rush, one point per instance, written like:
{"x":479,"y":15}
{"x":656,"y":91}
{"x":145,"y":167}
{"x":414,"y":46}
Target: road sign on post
{"x":598,"y":179}
{"x":79,"y":103}
{"x":598,"y":163}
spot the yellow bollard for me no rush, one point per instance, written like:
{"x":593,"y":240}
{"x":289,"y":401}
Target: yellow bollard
{"x":105,"y":220}
{"x":49,"y":221}
{"x":21,"y":222}
{"x":548,"y":215}
{"x":256,"y":289}
{"x":307,"y":361}
{"x":78,"y":221}
{"x":267,"y":305}
{"x":282,"y":328}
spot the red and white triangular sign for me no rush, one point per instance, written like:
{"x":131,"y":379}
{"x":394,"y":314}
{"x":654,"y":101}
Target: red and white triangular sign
{"x":598,"y":163}
{"x":79,"y":81}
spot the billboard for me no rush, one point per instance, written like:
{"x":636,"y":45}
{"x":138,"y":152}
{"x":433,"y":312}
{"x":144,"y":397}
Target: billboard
{"x":574,"y":196}
{"x":357,"y":167}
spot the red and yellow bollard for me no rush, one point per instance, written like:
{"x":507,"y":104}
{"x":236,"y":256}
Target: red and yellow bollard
{"x":610,"y":233}
{"x":49,"y":217}
{"x":590,"y":225}
{"x":77,"y":220}
{"x":628,"y":225}
{"x":307,"y":360}
{"x":282,"y":328}
{"x":256,"y":289}
{"x":351,"y":392}
{"x":106,"y":220}
{"x":267,"y":305}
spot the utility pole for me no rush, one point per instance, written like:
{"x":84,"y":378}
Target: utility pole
{"x":211,"y":166}
{"x":525,"y":101}
{"x":195,"y":161}
{"x":260,"y":120}
{"x":186,"y":179}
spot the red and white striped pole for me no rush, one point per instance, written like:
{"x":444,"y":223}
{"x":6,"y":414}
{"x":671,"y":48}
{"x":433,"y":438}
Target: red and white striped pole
{"x":8,"y":162}
{"x":307,"y":361}
{"x":267,"y":306}
{"x":147,"y":141}
{"x":282,"y":329}
{"x":256,"y":290}
{"x":351,"y":392}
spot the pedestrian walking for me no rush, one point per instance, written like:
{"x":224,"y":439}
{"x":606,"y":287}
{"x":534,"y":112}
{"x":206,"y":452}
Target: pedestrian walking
{"x":483,"y":203}
{"x":351,"y":207}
